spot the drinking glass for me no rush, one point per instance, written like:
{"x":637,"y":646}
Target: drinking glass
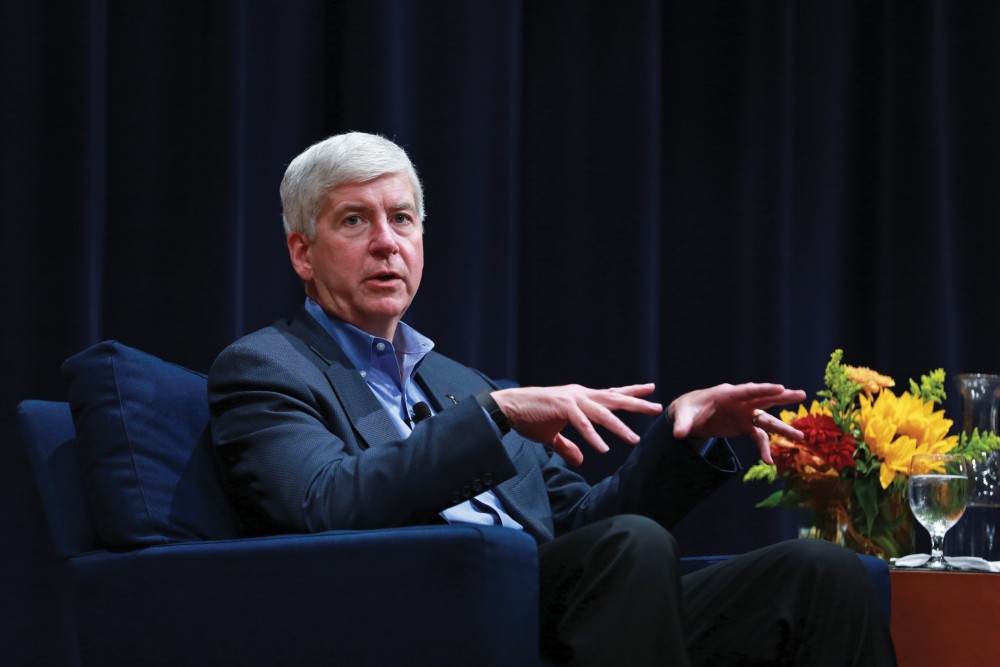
{"x":939,"y":492}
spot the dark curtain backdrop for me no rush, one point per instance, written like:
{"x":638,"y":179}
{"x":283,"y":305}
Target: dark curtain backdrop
{"x":682,"y":191}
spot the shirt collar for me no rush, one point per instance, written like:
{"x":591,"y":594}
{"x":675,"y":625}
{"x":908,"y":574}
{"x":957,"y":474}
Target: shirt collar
{"x":362,"y":348}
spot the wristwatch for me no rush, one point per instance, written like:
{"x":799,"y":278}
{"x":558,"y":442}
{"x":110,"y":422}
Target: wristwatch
{"x":494,"y":411}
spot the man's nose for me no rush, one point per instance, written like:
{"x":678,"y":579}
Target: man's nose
{"x":383,"y":240}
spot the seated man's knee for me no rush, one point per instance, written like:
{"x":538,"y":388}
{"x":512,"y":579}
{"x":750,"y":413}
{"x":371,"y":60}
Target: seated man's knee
{"x":823,"y":554}
{"x":824,"y":561}
{"x":643,"y":538}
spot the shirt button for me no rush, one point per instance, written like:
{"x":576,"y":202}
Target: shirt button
{"x":380,"y":346}
{"x":364,"y":374}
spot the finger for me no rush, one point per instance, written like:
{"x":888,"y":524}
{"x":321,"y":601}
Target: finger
{"x":644,"y":389}
{"x":784,"y":397}
{"x":771,"y":424}
{"x":598,"y":414}
{"x":751,"y":390}
{"x":767,"y":405}
{"x":615,"y":400}
{"x":683,"y":422}
{"x":781,"y":428}
{"x":763,"y":442}
{"x":765,"y":391}
{"x":581,"y":422}
{"x":566,"y":449}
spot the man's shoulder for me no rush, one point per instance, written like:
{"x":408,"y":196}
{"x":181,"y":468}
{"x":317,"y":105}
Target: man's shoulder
{"x":269,"y":339}
{"x":284,"y":344}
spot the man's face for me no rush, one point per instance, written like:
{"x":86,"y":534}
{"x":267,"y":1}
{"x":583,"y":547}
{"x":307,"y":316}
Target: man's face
{"x":365,"y":264}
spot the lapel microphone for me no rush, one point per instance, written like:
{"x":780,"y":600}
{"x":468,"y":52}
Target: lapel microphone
{"x":421,"y":411}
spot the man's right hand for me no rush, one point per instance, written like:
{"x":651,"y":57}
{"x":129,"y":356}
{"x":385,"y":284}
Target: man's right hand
{"x":541,"y":413}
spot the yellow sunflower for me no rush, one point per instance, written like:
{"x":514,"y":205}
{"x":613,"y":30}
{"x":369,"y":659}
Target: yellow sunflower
{"x":897,"y":428}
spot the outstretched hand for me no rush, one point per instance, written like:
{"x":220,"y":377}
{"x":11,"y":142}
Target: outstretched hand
{"x":541,"y":413}
{"x":728,"y":410}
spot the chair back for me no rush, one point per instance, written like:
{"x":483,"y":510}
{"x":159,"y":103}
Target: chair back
{"x":127,"y":462}
{"x":47,"y":433}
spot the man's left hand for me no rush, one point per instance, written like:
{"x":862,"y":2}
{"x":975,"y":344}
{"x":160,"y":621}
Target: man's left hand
{"x":728,"y":410}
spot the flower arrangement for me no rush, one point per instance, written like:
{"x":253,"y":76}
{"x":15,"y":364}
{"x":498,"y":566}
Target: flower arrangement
{"x":851,"y":469}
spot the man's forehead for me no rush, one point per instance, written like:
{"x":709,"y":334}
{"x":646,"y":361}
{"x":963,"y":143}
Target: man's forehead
{"x":389,"y":190}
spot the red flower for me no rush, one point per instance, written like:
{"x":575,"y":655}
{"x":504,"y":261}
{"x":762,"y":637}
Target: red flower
{"x":834,"y":448}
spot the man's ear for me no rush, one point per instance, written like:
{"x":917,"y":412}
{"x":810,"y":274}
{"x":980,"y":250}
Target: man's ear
{"x":298,"y":252}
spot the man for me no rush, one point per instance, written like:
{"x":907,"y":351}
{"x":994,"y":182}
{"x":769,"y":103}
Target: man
{"x":344,"y":417}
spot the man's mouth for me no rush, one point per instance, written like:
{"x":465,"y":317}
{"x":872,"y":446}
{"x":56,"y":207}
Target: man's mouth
{"x":388,"y":276}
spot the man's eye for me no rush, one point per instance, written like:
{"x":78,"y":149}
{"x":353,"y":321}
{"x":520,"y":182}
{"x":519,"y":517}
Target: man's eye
{"x":401,"y":218}
{"x":352,"y":220}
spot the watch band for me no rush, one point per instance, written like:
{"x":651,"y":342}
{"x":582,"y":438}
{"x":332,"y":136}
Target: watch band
{"x":494,"y":411}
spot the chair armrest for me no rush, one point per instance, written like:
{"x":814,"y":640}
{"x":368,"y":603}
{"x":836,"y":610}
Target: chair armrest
{"x":425,"y":595}
{"x":878,"y":572}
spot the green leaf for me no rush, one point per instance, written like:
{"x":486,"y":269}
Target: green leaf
{"x":931,"y":387}
{"x":866,"y":465}
{"x":761,"y":471}
{"x":977,"y":444}
{"x":772,"y":501}
{"x":866,"y":492}
{"x":840,"y":393}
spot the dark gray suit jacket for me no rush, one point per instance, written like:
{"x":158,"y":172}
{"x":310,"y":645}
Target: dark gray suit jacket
{"x":307,"y":447}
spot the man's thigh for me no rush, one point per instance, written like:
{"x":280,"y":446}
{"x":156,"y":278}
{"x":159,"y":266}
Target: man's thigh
{"x":610,"y":594}
{"x":800,"y":602}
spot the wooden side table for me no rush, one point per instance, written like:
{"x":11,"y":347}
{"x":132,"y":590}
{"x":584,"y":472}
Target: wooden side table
{"x":945,"y":618}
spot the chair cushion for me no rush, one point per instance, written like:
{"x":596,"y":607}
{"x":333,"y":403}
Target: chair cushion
{"x":145,"y":453}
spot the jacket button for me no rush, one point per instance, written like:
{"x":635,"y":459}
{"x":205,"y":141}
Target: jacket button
{"x":466,"y":491}
{"x":477,"y":485}
{"x":487,"y":479}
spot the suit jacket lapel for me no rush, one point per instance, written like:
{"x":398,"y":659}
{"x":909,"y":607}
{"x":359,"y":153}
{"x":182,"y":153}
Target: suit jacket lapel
{"x":439,"y":387}
{"x":363,"y":410}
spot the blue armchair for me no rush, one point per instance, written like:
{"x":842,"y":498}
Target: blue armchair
{"x":160,"y":576}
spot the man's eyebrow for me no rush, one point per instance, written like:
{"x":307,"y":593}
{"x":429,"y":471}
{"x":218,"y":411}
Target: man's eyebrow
{"x":357,"y":207}
{"x":351,"y":207}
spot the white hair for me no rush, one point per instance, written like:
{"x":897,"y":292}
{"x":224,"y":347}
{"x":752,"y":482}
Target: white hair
{"x":343,"y":158}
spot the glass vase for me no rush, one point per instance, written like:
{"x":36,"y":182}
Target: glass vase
{"x":975,"y":534}
{"x":823,"y":511}
{"x":822,"y":524}
{"x":980,"y":401}
{"x":828,"y":511}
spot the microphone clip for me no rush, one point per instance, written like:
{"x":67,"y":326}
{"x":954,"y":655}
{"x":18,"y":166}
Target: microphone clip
{"x":421,"y":411}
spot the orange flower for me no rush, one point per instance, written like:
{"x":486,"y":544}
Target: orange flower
{"x":870,"y":381}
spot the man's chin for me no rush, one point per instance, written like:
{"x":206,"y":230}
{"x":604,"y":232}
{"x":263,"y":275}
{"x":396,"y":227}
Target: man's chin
{"x":386,"y":312}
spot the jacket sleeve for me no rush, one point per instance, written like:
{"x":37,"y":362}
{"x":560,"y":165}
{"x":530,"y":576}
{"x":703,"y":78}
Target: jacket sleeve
{"x":292,"y":455}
